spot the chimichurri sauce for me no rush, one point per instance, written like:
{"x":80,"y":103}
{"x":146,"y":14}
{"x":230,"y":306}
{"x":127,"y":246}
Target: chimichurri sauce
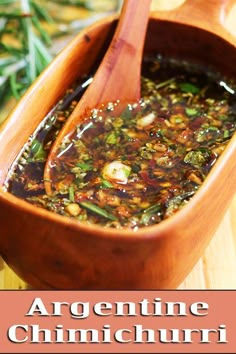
{"x":133,"y":166}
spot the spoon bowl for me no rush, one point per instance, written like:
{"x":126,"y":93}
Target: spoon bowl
{"x":50,"y":251}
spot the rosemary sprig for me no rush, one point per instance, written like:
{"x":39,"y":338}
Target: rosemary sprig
{"x":23,"y":49}
{"x":24,"y":44}
{"x":27,"y":43}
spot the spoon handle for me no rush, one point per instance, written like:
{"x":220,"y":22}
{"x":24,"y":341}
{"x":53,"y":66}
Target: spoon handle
{"x":209,"y":15}
{"x":123,"y":59}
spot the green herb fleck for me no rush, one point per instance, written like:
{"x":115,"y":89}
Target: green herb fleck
{"x":191,"y":111}
{"x":85,"y":166}
{"x":37,"y":150}
{"x":97,"y":210}
{"x":189,"y":88}
{"x":226,"y":134}
{"x":197,"y":158}
{"x":112,"y":138}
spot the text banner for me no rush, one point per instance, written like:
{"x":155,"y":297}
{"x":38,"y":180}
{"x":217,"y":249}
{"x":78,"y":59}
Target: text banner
{"x":118,"y":321}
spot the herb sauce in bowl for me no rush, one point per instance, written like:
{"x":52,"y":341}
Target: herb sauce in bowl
{"x":133,"y":166}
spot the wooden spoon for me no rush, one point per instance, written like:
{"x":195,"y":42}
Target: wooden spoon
{"x":117,"y":78}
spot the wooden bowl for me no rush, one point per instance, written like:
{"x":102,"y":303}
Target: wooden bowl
{"x":50,"y":251}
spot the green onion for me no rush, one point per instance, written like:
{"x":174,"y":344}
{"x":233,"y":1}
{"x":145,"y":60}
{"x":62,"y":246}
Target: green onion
{"x":164,"y":83}
{"x":149,"y":212}
{"x":211,"y":128}
{"x":97,"y":210}
{"x":71,"y":194}
{"x":106,"y":184}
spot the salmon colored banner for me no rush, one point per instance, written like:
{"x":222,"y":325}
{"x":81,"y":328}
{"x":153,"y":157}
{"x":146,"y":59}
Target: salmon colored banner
{"x":118,"y":322}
